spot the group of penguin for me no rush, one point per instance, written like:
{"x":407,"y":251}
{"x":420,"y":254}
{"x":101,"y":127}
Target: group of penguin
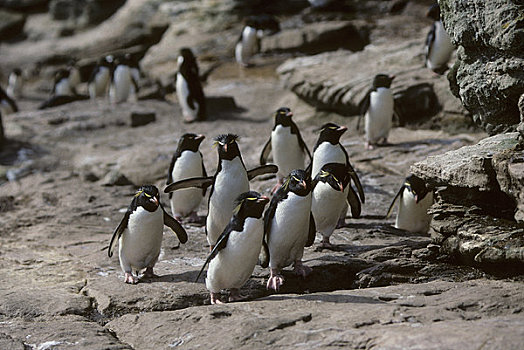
{"x":312,"y":194}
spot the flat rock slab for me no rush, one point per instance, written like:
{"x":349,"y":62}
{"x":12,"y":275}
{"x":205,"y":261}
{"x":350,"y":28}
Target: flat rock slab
{"x":140,"y":118}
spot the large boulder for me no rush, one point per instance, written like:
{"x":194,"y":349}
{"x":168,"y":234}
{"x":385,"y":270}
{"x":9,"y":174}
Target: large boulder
{"x":487,"y":75}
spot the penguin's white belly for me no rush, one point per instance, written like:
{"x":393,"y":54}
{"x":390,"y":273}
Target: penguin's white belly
{"x":121,"y":86}
{"x":287,"y":153}
{"x":14,"y":89}
{"x":441,"y":49}
{"x":140,"y":243}
{"x":230,"y":182}
{"x":98,"y":86}
{"x":234,"y":264}
{"x":411,"y":216}
{"x":327,"y":153}
{"x":247,"y":46}
{"x":63,"y":88}
{"x":289,"y":230}
{"x":182,"y":91}
{"x":378,"y":119}
{"x":327,"y":206}
{"x":184,"y":201}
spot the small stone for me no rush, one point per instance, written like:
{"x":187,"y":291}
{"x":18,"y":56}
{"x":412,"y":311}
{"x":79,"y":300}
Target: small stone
{"x":140,"y":118}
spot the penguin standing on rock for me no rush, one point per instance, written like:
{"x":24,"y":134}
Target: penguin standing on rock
{"x":438,"y":43}
{"x":328,"y":149}
{"x":235,"y":255}
{"x":15,"y":83}
{"x":62,"y":84}
{"x":415,"y":200}
{"x":377,"y":106}
{"x":286,"y":144}
{"x":248,"y":44}
{"x":230,"y":180}
{"x":189,"y":89}
{"x":289,"y":226}
{"x":139,"y":245}
{"x":122,"y":82}
{"x":100,"y":77}
{"x":7,"y":104}
{"x":187,"y":162}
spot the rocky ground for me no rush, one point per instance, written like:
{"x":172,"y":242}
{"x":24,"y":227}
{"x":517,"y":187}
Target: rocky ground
{"x":73,"y":169}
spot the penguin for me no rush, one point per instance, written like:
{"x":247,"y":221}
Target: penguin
{"x":62,"y":85}
{"x":122,"y":82}
{"x":100,"y":77}
{"x":188,"y":87}
{"x":415,"y":200}
{"x":289,"y":226}
{"x":139,"y":245}
{"x":74,"y":74}
{"x":286,"y":144}
{"x":377,"y":106}
{"x":331,"y":193}
{"x":233,"y":259}
{"x":229,"y":181}
{"x":438,"y":43}
{"x":7,"y":104}
{"x":328,"y":149}
{"x":15,"y":84}
{"x":248,"y":44}
{"x":187,"y":162}
{"x":132,"y":63}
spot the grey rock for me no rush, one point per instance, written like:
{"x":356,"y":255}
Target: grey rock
{"x":115,"y":178}
{"x":140,"y":118}
{"x":490,"y":41}
{"x":11,"y":24}
{"x":83,"y":12}
{"x":24,"y":5}
{"x":142,"y":166}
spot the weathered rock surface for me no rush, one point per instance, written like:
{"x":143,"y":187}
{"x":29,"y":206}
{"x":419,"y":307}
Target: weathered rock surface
{"x":84,"y":13}
{"x":24,"y":5}
{"x":487,"y":75}
{"x":11,"y":24}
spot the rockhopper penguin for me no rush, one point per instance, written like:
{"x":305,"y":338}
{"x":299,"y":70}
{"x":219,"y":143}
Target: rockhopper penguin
{"x":189,"y":89}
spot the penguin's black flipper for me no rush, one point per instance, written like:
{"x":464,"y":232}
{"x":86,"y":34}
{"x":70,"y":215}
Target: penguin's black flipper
{"x":261,"y":170}
{"x":221,"y":244}
{"x":304,"y":146}
{"x":175,"y":226}
{"x":390,"y":209}
{"x":354,"y":203}
{"x":118,"y":232}
{"x":356,"y":180}
{"x":265,"y":152}
{"x":263,"y":257}
{"x":363,"y":106}
{"x":312,"y":231}
{"x":204,"y":172}
{"x":200,"y":182}
{"x":430,"y":39}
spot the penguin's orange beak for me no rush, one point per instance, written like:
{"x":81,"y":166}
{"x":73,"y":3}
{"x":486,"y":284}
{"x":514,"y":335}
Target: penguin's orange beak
{"x":225,"y":148}
{"x":263,"y":199}
{"x":303,"y":184}
{"x":340,"y":186}
{"x":289,"y":114}
{"x":342,"y":128}
{"x":154,"y":200}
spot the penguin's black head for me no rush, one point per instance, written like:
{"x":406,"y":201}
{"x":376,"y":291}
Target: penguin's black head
{"x":434,"y":12}
{"x":148,"y":197}
{"x":382,"y":80}
{"x":227,"y":146}
{"x":335,"y":174}
{"x":283,"y":116}
{"x":17,"y":71}
{"x":298,"y":182}
{"x":417,"y":187}
{"x":186,"y":57}
{"x":190,"y":142}
{"x":331,"y":132}
{"x":61,"y":74}
{"x":250,"y":204}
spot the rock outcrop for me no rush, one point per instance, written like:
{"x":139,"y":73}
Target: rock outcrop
{"x":488,"y":73}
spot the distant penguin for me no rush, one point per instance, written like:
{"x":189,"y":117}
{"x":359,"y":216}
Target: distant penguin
{"x":377,"y":107}
{"x":415,"y":200}
{"x":289,"y":226}
{"x":135,"y":74}
{"x":122,"y":82}
{"x":140,"y":233}
{"x":189,"y":89}
{"x":248,"y":44}
{"x":230,"y":180}
{"x":235,"y":255}
{"x":74,"y":74}
{"x":331,"y":193}
{"x":7,"y":104}
{"x":100,"y":77}
{"x":286,"y":144}
{"x":187,"y":162}
{"x":328,"y":149}
{"x":62,"y":85}
{"x":15,"y":84}
{"x":438,"y":43}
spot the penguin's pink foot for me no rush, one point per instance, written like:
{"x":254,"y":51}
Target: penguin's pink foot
{"x":193,"y":217}
{"x":215,"y":298}
{"x":234,"y":295}
{"x":325,"y":244}
{"x":149,"y":273}
{"x":275,"y":280}
{"x":369,"y":146}
{"x":129,"y":278}
{"x":301,"y":269}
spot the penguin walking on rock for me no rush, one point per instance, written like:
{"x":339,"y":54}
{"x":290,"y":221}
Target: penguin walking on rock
{"x":289,"y":226}
{"x":377,"y":107}
{"x":7,"y":104}
{"x":230,"y":180}
{"x":248,"y":44}
{"x":187,"y":162}
{"x":331,"y":194}
{"x":122,"y":85}
{"x":286,"y":144}
{"x":235,"y":255}
{"x":414,"y":201}
{"x":15,"y":84}
{"x":189,"y":90}
{"x":100,"y":77}
{"x":328,"y":149}
{"x":140,"y":233}
{"x":438,"y":43}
